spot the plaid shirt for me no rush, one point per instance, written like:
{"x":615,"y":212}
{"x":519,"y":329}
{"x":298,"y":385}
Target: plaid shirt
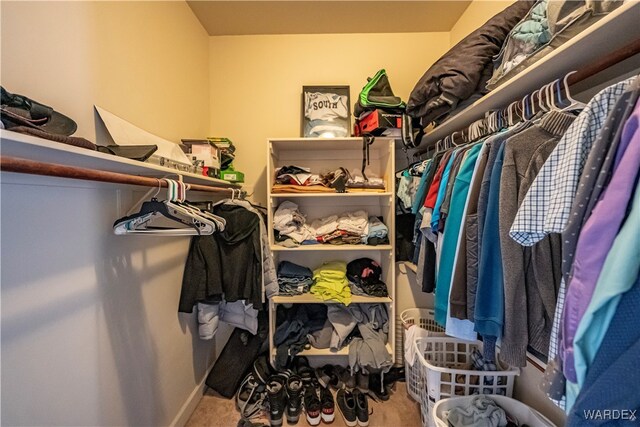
{"x":546,"y":206}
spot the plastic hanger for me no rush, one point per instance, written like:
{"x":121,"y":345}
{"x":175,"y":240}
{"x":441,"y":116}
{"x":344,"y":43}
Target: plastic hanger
{"x":154,"y":210}
{"x":218,"y":222}
{"x":530,"y":109}
{"x":177,"y":202}
{"x":573,"y":104}
{"x":541,"y":104}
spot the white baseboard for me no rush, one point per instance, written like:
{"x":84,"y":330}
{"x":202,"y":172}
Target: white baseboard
{"x":190,"y":405}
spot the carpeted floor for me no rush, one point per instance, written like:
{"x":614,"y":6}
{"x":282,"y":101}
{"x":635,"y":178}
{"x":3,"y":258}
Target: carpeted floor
{"x":399,"y":411}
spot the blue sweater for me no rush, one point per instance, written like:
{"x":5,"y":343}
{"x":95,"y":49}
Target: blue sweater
{"x":489,"y":310}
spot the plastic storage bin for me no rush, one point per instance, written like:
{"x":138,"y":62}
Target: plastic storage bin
{"x":523,"y":413}
{"x":423,"y":318}
{"x":445,"y":365}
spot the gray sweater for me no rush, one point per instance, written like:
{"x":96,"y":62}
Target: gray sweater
{"x":531,"y":275}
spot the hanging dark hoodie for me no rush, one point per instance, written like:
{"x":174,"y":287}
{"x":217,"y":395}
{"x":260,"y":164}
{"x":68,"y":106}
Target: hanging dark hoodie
{"x":225,"y":265}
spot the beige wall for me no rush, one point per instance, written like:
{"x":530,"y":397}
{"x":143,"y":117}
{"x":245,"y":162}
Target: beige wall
{"x":256,"y":81}
{"x":477,"y":13}
{"x":144,"y":61}
{"x":90,"y":329}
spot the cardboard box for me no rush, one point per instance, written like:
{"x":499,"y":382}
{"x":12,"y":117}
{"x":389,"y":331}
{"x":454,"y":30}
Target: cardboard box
{"x":232,"y":175}
{"x":378,"y":123}
{"x":204,"y":150}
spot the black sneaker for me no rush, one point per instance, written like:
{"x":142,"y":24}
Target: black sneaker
{"x":346,"y":379}
{"x":328,"y":405}
{"x":294,"y":391}
{"x":327,"y":376}
{"x":277,"y":396}
{"x":394,"y":374}
{"x":377,"y":387}
{"x":312,"y":405}
{"x":362,"y":381}
{"x":300,"y":363}
{"x":347,"y":407}
{"x":362,"y":408}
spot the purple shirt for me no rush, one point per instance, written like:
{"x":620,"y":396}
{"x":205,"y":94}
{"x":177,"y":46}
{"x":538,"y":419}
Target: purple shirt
{"x":597,"y":236}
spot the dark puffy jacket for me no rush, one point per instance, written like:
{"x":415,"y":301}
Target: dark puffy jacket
{"x":463,"y":70}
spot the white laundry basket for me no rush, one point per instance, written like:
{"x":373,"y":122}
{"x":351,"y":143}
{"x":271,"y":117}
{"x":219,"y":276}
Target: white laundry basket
{"x":446,"y":371}
{"x":423,"y":318}
{"x":518,"y":410}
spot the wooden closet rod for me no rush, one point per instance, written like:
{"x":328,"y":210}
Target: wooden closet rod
{"x":619,"y":55}
{"x":14,"y":164}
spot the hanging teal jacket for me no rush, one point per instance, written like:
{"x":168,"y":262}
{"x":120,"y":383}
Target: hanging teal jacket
{"x":452,"y":233}
{"x":489,"y":310}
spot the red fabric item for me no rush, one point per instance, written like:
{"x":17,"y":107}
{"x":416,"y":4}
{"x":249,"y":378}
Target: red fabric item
{"x":432,"y":195}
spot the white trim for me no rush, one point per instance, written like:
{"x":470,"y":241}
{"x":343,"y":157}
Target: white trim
{"x":191,"y":403}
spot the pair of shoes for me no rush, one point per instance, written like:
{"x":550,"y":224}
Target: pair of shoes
{"x":336,"y":377}
{"x":354,"y":407}
{"x":318,"y":404}
{"x":328,"y":376}
{"x":301,"y":368}
{"x":284,"y":393}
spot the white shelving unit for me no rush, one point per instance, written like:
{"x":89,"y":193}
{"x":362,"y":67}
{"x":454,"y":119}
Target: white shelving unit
{"x":324,"y":155}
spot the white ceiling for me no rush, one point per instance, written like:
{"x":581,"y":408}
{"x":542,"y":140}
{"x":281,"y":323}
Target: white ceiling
{"x":325,"y":16}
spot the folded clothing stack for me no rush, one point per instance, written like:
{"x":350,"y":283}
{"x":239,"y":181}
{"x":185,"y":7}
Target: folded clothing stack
{"x":294,"y":279}
{"x":296,"y":175}
{"x":364,"y":276}
{"x":298,"y":179}
{"x":349,"y":228}
{"x":357,"y":180}
{"x":289,"y":222}
{"x":378,"y":233}
{"x":342,"y":180}
{"x":330,"y":282}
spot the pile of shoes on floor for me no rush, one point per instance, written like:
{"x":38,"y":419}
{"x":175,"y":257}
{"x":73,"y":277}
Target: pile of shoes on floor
{"x":300,"y":388}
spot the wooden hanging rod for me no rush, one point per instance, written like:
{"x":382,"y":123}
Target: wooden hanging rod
{"x":615,"y":57}
{"x":14,"y":164}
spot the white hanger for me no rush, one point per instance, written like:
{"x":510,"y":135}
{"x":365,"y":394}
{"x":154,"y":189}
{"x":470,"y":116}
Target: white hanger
{"x":541,"y":104}
{"x":197,"y":216}
{"x":151,"y":211}
{"x":573,"y":104}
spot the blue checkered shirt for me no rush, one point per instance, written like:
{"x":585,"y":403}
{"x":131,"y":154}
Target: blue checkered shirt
{"x":546,"y":206}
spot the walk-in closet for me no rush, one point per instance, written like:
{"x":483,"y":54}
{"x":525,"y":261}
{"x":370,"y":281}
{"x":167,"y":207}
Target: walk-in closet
{"x":357,"y":213}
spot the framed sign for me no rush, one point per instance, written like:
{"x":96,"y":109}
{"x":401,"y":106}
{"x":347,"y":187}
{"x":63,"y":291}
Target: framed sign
{"x":326,"y":112}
